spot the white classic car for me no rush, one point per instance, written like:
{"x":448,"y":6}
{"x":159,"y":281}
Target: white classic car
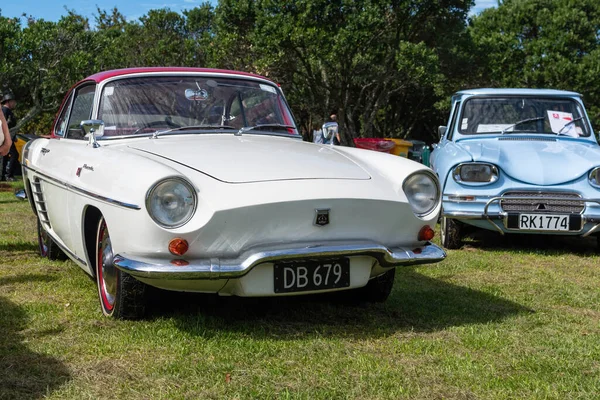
{"x":197,"y":180}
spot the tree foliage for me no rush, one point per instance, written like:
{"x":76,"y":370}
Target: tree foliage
{"x":542,"y":43}
{"x":387,"y":68}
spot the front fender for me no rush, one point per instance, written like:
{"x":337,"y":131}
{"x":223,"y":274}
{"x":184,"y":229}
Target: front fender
{"x":447,"y":156}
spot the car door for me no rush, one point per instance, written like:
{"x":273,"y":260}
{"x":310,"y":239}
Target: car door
{"x":62,"y":156}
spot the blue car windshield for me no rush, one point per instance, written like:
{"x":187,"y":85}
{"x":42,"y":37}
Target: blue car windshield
{"x":525,"y":114}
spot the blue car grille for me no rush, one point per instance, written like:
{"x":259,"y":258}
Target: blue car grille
{"x":542,"y":202}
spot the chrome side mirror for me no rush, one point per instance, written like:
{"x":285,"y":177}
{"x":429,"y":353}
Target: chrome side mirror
{"x":93,"y":129}
{"x":442,"y":131}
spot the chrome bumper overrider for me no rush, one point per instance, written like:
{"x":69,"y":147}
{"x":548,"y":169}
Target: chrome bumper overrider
{"x":223,"y":268}
{"x":502,"y":215}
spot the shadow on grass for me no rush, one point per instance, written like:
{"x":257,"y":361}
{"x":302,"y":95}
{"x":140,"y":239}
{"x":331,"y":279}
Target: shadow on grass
{"x":19,"y":246}
{"x":546,"y":244}
{"x":25,"y":374}
{"x":418,"y":303}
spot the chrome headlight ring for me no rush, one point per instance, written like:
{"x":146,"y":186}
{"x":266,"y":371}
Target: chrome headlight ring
{"x":171,"y":202}
{"x":594,"y":177}
{"x":422,"y":189}
{"x":475,"y":173}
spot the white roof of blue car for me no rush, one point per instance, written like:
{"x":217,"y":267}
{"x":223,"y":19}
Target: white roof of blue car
{"x":516,"y":92}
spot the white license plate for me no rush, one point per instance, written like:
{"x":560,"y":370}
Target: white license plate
{"x":543,"y":222}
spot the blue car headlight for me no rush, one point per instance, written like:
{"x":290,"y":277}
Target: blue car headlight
{"x":475,"y":173}
{"x":594,"y":177}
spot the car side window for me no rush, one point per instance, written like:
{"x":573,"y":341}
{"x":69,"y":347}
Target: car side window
{"x":61,"y":123}
{"x":81,"y":110}
{"x":452,"y":124}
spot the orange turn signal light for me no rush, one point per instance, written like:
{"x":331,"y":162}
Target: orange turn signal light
{"x":178,"y":246}
{"x":426,"y":233}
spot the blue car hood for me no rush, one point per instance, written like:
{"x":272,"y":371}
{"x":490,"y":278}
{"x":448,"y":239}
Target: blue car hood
{"x":536,"y":161}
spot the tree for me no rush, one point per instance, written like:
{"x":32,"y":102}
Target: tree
{"x":352,"y":57}
{"x":542,"y":44}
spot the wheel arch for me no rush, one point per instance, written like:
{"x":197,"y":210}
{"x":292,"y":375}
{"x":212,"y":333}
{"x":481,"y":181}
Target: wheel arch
{"x":91,"y":218}
{"x":30,"y":197}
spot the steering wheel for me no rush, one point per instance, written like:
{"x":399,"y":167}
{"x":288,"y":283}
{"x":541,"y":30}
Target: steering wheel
{"x":167,"y":121}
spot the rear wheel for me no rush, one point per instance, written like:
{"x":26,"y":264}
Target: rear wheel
{"x":121,"y":295}
{"x":378,"y":289}
{"x":46,"y":246}
{"x":451,"y":233}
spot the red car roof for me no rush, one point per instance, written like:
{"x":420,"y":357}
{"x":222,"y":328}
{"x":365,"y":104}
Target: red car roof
{"x":102,"y":76}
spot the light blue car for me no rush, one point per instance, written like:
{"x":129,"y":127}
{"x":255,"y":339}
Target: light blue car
{"x":518,"y":161}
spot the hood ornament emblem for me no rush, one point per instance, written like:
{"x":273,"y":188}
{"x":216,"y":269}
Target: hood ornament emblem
{"x":321,"y":217}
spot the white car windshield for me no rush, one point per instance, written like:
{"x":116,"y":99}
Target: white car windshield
{"x":559,"y":116}
{"x":144,"y":105}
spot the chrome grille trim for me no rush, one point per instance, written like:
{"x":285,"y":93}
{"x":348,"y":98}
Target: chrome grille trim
{"x":40,"y":202}
{"x":542,"y":202}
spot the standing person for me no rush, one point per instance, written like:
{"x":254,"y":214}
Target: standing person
{"x":317,"y":133}
{"x":5,"y":140}
{"x":331,"y":132}
{"x":9,"y":165}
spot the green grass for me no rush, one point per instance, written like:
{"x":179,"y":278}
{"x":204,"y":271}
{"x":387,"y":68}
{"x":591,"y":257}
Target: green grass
{"x":499,"y":319}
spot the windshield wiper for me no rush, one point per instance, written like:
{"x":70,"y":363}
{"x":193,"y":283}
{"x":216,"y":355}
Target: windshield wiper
{"x":263,"y":126}
{"x":521,"y":122}
{"x":189,"y":128}
{"x":568,"y":124}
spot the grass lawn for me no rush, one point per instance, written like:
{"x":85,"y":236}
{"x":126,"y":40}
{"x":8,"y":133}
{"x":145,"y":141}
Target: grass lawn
{"x":499,"y":319}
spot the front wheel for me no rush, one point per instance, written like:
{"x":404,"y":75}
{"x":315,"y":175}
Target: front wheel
{"x":46,"y":246}
{"x":378,"y":289}
{"x":121,"y":295}
{"x":451,"y":233}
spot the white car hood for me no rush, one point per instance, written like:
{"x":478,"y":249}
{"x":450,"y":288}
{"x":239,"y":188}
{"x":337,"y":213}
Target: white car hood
{"x":253,"y":158}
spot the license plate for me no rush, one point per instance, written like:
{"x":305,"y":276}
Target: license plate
{"x":311,"y":275}
{"x":544,"y":222}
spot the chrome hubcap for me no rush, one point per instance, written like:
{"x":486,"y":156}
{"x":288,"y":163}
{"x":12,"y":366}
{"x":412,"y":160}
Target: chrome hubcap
{"x":443,"y":229}
{"x":108,"y":271}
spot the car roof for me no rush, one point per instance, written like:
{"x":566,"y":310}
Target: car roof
{"x":102,"y":76}
{"x":516,"y":92}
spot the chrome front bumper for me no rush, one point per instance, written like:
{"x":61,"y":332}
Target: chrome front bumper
{"x":224,"y":268}
{"x":503,"y":216}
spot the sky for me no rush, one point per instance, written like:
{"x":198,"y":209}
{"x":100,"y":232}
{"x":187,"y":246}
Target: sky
{"x":52,"y":10}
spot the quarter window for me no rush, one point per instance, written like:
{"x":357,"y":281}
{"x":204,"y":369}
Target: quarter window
{"x":61,"y":123}
{"x":81,"y":111}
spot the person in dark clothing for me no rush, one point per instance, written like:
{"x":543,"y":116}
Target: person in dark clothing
{"x":9,"y":163}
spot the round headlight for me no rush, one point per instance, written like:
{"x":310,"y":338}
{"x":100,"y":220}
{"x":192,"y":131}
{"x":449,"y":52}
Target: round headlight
{"x":422,"y":191}
{"x":594,"y":177}
{"x":171,"y":202}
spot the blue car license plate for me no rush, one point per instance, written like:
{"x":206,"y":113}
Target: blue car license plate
{"x":309,"y":275}
{"x":544,"y":222}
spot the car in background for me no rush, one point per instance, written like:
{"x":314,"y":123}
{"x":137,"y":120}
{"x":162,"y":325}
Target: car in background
{"x":197,"y":180}
{"x":518,"y":161}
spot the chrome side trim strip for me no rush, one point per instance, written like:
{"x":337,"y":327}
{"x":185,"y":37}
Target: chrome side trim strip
{"x":85,"y":192}
{"x":219,"y":268}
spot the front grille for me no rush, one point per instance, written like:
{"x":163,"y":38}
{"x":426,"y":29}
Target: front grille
{"x":542,"y":202}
